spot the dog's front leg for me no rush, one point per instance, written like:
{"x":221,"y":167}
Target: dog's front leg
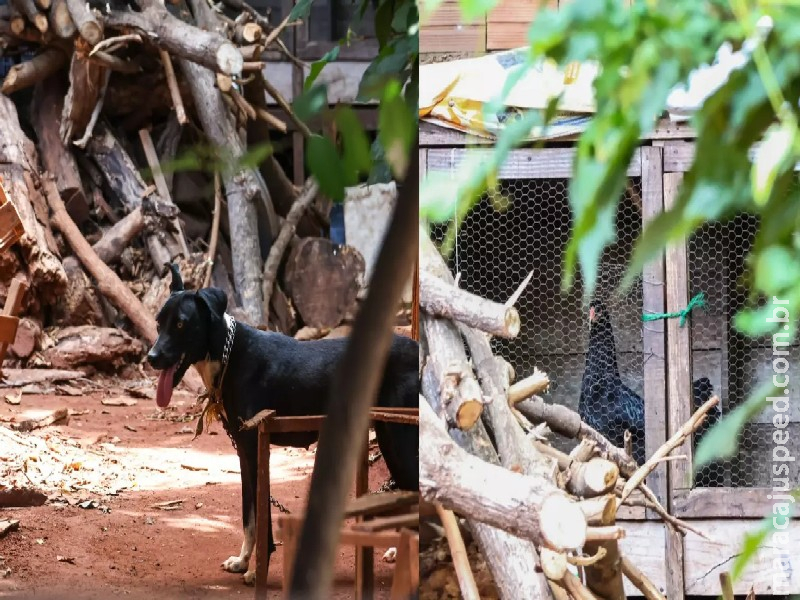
{"x":240,"y":563}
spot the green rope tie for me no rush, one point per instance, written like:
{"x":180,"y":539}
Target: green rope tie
{"x":699,"y":301}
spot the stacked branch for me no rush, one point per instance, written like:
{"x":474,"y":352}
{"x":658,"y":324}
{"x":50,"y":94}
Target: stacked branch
{"x":105,"y":211}
{"x":500,"y":473}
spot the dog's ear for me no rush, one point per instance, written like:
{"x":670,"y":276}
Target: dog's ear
{"x":214,"y":299}
{"x":177,"y":282}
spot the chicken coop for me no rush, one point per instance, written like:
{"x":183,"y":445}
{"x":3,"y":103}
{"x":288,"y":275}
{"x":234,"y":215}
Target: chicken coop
{"x":523,"y":228}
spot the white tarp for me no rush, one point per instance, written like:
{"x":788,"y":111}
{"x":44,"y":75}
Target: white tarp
{"x":454,"y":94}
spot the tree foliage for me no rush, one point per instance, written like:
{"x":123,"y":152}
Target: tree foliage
{"x":391,"y":79}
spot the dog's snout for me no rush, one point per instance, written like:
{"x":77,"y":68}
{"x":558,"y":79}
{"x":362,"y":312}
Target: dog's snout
{"x":152,"y":357}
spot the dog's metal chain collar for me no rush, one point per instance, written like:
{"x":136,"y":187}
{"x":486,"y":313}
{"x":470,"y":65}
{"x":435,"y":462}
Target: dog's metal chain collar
{"x":226,"y":350}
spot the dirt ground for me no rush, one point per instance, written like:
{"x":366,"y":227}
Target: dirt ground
{"x":127,"y":459}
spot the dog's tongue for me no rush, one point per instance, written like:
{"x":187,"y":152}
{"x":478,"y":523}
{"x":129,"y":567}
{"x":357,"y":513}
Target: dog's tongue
{"x":164,"y":391}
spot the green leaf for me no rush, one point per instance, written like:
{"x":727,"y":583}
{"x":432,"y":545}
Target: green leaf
{"x":383,"y":21}
{"x":396,"y":129}
{"x":438,"y":198}
{"x":357,"y":158}
{"x":722,"y":440}
{"x":311,"y":102}
{"x":394,"y":61}
{"x":753,"y":541}
{"x":773,"y":156}
{"x":324,"y":163}
{"x":472,"y":9}
{"x":300,"y":10}
{"x":405,"y":17}
{"x":317,"y":66}
{"x":777,"y":269}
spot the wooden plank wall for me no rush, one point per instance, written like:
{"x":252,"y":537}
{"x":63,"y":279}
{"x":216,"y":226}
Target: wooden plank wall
{"x":504,"y":28}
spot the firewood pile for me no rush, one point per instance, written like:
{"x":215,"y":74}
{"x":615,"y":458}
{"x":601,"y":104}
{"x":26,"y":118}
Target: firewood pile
{"x":109,"y":117}
{"x":485,"y":457}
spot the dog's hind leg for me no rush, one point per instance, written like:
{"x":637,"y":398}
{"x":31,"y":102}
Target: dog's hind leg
{"x":240,"y":563}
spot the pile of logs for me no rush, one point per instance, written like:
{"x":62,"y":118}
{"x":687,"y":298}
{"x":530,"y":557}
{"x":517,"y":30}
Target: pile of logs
{"x":485,"y":456}
{"x":110,"y":117}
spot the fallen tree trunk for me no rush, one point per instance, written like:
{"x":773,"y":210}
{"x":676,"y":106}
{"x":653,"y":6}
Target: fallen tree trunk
{"x":523,"y":505}
{"x":84,"y":20}
{"x":17,"y":158}
{"x":107,"y":281}
{"x":567,"y":422}
{"x":439,"y":298}
{"x":30,"y":72}
{"x":240,"y":190}
{"x":80,"y":304}
{"x":85,"y":87}
{"x":204,"y":48}
{"x":88,"y":345}
{"x":459,"y":399}
{"x":48,"y":104}
{"x":122,"y":176}
{"x":61,"y":21}
{"x":509,"y":557}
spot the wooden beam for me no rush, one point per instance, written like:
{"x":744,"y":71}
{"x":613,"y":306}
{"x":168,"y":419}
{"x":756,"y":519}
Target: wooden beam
{"x":679,"y":382}
{"x":722,"y":502}
{"x":524,"y":163}
{"x":432,"y":136}
{"x":653,"y":337}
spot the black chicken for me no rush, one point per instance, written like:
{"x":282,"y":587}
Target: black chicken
{"x":702,"y":390}
{"x":606,"y":403}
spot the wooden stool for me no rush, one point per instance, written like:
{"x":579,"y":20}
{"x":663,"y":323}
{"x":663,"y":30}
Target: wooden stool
{"x":385,"y":520}
{"x":268,"y":423}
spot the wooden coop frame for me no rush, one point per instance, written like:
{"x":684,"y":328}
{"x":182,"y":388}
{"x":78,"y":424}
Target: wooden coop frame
{"x":390,"y":521}
{"x":725,"y":514}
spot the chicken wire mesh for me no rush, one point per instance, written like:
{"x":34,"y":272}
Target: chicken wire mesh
{"x":524,"y":227}
{"x":733,"y":364}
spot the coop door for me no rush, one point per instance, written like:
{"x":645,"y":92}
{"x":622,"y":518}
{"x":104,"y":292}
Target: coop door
{"x":732,"y":366}
{"x":524,"y":227}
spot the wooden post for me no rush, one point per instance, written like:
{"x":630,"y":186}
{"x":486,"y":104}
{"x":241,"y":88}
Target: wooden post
{"x":679,"y":383}
{"x":365,"y":577}
{"x":11,"y":309}
{"x":401,"y":582}
{"x":289,"y":532}
{"x":653,"y":338}
{"x":262,"y":514}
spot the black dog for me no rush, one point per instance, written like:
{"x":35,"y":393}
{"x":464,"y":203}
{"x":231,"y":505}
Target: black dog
{"x":272,"y":371}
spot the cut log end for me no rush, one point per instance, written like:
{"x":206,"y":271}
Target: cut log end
{"x":40,"y":22}
{"x":229,"y":59}
{"x":91,"y":32}
{"x":563,"y":523}
{"x":554,"y":564}
{"x":17,"y":25}
{"x":599,"y":476}
{"x":512,"y":322}
{"x":602,"y":509}
{"x":468,"y":414}
{"x":252,"y":32}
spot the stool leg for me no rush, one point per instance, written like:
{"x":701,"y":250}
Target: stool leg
{"x":263,"y":523}
{"x":289,"y":539}
{"x":413,"y":560}
{"x":401,"y":582}
{"x":365,"y":575}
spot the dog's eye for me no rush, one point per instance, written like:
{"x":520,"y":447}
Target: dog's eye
{"x":180,"y":325}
